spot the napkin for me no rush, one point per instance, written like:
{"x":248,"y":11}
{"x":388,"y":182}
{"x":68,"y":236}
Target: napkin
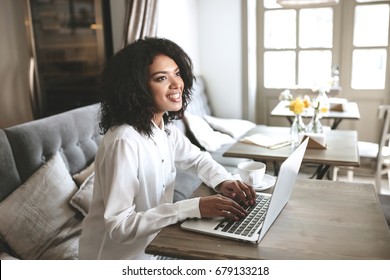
{"x":266,"y":141}
{"x":337,"y":104}
{"x":316,"y":140}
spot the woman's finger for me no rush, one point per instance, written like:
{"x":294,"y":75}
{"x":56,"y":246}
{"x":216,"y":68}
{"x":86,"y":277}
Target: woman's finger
{"x":218,"y":205}
{"x":248,"y":193}
{"x":233,"y":207}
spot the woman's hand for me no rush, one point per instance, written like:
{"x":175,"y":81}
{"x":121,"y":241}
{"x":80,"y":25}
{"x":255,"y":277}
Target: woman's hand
{"x":237,"y":190}
{"x":220,"y":206}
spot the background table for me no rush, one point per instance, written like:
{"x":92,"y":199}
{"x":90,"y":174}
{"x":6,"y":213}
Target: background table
{"x":342,"y":149}
{"x":351,"y":112}
{"x":322,"y":220}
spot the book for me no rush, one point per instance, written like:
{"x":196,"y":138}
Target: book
{"x":266,"y":141}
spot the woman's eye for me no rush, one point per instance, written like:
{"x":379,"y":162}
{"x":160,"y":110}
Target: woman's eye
{"x":178,"y":74}
{"x":159,"y":79}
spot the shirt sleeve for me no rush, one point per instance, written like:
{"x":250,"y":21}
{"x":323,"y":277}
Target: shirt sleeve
{"x":121,"y":193}
{"x":190,"y":158}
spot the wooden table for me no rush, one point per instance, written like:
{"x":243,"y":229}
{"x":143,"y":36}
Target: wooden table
{"x":322,"y":220}
{"x":342,"y":149}
{"x":351,"y":112}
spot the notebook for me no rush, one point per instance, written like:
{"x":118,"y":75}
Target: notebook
{"x":267,"y":141}
{"x":266,"y":210}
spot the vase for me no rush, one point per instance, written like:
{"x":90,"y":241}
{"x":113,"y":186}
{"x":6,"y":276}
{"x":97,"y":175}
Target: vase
{"x":297,"y":129}
{"x":322,"y":103}
{"x":315,"y":125}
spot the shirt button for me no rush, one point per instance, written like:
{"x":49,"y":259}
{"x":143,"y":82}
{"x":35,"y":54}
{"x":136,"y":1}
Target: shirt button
{"x":162,"y":160}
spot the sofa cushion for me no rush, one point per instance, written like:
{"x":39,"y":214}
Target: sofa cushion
{"x":199,"y":104}
{"x":83,"y":197}
{"x":65,"y":245}
{"x":208,"y":138}
{"x":8,"y":173}
{"x":80,"y":177}
{"x":5,"y":256}
{"x":186,"y":183}
{"x":34,"y":214}
{"x":75,"y":134}
{"x":236,"y":128}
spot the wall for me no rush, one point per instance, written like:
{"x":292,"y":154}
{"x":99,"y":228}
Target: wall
{"x":181,"y":26}
{"x":210,"y":31}
{"x":220,"y":43}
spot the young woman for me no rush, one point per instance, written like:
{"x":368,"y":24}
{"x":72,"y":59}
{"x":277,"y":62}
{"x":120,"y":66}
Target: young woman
{"x":143,"y":88}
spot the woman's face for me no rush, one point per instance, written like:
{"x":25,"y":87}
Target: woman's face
{"x":166,"y":84}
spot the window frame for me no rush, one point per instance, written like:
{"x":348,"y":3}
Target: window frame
{"x":335,"y":49}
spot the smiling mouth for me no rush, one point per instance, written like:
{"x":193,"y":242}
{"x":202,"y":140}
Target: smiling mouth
{"x":175,"y":97}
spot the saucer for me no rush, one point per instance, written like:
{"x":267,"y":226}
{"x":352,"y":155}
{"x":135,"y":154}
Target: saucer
{"x":267,"y":182}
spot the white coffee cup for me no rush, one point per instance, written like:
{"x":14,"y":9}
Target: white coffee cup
{"x":251,"y":172}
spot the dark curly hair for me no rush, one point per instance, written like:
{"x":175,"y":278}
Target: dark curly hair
{"x":123,"y":91}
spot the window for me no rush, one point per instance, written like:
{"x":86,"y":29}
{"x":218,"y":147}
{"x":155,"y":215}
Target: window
{"x":298,"y":46}
{"x":370,"y":41}
{"x":301,"y":46}
{"x":345,"y":46}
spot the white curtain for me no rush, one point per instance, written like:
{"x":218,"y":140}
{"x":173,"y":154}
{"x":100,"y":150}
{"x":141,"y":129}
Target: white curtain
{"x":14,"y":63}
{"x":140,"y":20}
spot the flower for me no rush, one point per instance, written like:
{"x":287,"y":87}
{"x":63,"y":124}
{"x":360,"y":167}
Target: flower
{"x":324,"y":110}
{"x":306,"y":101}
{"x":321,"y":103}
{"x":318,"y":108}
{"x":297,"y":106}
{"x":285,"y":95}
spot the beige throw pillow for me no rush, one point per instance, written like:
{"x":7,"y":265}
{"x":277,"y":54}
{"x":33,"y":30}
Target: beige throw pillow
{"x":208,"y":138}
{"x":34,"y":214}
{"x":236,"y":128}
{"x":83,"y":197}
{"x":80,"y":177}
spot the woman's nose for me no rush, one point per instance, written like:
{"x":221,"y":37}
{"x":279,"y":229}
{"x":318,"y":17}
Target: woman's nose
{"x":174,"y":83}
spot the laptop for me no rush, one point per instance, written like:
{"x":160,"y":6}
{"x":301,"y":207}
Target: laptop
{"x":261,"y":215}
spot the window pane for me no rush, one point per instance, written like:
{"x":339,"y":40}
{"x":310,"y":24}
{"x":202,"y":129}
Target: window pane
{"x":370,"y":1}
{"x":314,"y":69}
{"x":368,"y":69}
{"x":371,"y":25}
{"x":316,"y":28}
{"x":279,"y":69}
{"x":279,"y":29}
{"x":270,"y":4}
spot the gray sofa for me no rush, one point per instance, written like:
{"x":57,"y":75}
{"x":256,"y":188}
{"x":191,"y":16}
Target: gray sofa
{"x":27,"y":229}
{"x":44,"y":164}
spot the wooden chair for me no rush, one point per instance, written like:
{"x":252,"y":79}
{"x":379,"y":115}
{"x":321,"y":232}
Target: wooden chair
{"x":378,"y":152}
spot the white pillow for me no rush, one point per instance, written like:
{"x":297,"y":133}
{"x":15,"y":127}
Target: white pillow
{"x":34,"y":214}
{"x":236,"y":128}
{"x":83,"y":197}
{"x":80,"y":177}
{"x":210,"y":139}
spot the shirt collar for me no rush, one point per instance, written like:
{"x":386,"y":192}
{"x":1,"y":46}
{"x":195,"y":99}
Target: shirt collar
{"x":157,"y":127}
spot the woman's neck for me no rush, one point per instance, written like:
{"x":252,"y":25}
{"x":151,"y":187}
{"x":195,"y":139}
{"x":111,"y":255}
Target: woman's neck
{"x":158,"y":120}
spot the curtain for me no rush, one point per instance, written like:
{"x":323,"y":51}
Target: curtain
{"x":140,"y":20}
{"x":36,"y":107}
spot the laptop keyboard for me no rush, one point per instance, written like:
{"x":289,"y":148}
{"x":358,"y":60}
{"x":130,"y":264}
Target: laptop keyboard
{"x":248,"y":225}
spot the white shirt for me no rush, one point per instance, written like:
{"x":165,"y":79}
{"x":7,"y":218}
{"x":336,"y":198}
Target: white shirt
{"x":133,"y":192}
